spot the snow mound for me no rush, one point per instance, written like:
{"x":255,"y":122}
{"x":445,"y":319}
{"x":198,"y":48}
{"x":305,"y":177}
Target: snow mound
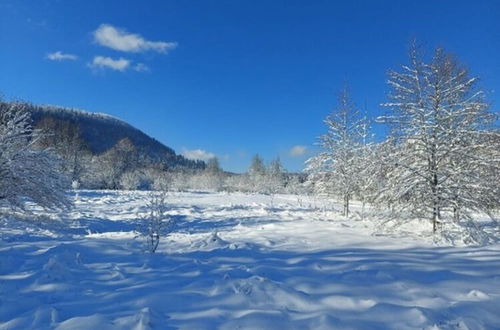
{"x":63,"y":264}
{"x":145,"y":319}
{"x":211,"y":242}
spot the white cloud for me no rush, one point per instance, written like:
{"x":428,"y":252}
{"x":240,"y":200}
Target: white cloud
{"x":197,"y":154}
{"x":141,"y":67}
{"x":297,"y":151}
{"x":101,"y":62}
{"x":60,"y":56}
{"x":119,"y":39}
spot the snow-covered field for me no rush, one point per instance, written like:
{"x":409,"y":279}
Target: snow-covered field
{"x":238,"y":261}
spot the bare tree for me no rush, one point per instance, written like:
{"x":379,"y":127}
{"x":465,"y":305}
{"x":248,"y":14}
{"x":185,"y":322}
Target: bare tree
{"x":117,"y":161}
{"x":65,"y":139}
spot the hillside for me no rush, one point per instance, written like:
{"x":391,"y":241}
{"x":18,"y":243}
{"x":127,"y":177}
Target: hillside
{"x":100,"y":132}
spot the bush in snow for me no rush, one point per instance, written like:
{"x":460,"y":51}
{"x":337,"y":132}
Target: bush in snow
{"x":156,"y":221}
{"x":162,"y":181}
{"x":135,"y":180}
{"x":27,"y":173}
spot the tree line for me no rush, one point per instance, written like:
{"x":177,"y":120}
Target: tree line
{"x":441,"y":160}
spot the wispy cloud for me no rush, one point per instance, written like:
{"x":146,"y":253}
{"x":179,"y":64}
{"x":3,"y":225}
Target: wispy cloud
{"x":197,"y":154}
{"x":298,"y":151}
{"x":141,"y":67}
{"x":102,"y":62}
{"x":119,"y":39}
{"x":60,"y":56}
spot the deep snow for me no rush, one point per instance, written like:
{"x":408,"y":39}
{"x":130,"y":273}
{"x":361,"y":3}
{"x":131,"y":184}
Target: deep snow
{"x":238,"y":261}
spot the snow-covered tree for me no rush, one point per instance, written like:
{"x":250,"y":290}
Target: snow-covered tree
{"x":336,"y":170}
{"x":161,"y":180}
{"x":213,"y":166}
{"x":276,"y":173}
{"x":213,"y":176}
{"x":117,"y":161}
{"x":27,"y":173}
{"x":275,"y":181}
{"x":439,"y":127}
{"x":238,"y":182}
{"x":65,"y":139}
{"x":295,"y":184}
{"x":383,"y":165}
{"x":365,"y":164}
{"x":135,"y":180}
{"x":180,"y":181}
{"x":257,"y":175}
{"x":257,"y":166}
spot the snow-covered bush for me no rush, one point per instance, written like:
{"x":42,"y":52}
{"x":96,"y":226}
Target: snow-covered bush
{"x":135,"y":180}
{"x":26,"y":173}
{"x":75,"y":184}
{"x":162,"y":181}
{"x":156,"y":221}
{"x":237,"y":182}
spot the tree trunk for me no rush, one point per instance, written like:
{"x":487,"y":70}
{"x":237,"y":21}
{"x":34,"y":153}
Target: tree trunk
{"x":435,"y":202}
{"x":456,"y":214}
{"x":346,"y":205}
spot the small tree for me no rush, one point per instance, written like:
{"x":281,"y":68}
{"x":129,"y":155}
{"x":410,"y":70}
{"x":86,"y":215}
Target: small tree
{"x":213,"y":176}
{"x":337,"y":166}
{"x":257,"y":174}
{"x":213,"y":166}
{"x":365,"y":166}
{"x":275,"y":178}
{"x":156,"y":221}
{"x":257,"y":166}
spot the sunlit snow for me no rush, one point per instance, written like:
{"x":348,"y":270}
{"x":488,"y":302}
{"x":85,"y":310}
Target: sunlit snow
{"x":234,"y":261}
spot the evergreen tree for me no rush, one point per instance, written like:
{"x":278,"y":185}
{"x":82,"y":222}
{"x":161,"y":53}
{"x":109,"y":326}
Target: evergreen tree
{"x":257,"y":166}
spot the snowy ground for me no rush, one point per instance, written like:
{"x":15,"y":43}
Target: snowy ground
{"x":291,"y":264}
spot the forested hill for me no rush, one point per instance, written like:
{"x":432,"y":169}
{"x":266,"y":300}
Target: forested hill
{"x":101,"y":132}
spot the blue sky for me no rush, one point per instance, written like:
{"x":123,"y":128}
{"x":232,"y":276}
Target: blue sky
{"x":231,"y":78}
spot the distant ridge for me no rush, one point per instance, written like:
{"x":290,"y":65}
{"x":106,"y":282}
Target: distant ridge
{"x":101,"y":132}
